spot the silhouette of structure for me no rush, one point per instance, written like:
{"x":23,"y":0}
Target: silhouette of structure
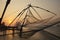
{"x":2,"y":26}
{"x":7,"y":3}
{"x":26,"y":21}
{"x":28,"y":8}
{"x":29,"y":14}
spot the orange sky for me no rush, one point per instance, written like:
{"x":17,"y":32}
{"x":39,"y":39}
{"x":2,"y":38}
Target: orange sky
{"x":16,"y":6}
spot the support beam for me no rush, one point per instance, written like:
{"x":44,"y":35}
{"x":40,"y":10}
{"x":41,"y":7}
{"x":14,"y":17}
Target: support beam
{"x":44,"y":10}
{"x":37,"y":13}
{"x":7,"y":3}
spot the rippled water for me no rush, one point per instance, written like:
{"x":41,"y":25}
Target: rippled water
{"x":37,"y":36}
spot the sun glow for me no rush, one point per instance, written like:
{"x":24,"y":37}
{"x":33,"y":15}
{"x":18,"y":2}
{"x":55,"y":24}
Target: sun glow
{"x":8,"y":20}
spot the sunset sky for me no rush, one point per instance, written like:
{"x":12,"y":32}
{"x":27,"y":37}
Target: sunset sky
{"x":16,"y":6}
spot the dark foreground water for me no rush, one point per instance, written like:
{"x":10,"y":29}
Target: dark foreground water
{"x":41,"y":35}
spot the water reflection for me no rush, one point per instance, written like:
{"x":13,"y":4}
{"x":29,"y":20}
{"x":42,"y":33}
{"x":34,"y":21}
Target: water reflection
{"x":9,"y":37}
{"x":9,"y":31}
{"x":42,"y":35}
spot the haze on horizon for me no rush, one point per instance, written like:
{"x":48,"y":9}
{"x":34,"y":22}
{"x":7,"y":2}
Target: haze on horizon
{"x":16,"y":6}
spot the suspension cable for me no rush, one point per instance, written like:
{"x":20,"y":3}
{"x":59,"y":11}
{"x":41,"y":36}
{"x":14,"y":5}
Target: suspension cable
{"x":44,"y":9}
{"x":37,"y":13}
{"x":18,"y":15}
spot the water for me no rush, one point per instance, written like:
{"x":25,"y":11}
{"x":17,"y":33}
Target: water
{"x":41,"y":35}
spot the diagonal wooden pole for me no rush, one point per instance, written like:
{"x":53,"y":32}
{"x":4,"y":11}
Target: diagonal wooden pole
{"x":7,"y":3}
